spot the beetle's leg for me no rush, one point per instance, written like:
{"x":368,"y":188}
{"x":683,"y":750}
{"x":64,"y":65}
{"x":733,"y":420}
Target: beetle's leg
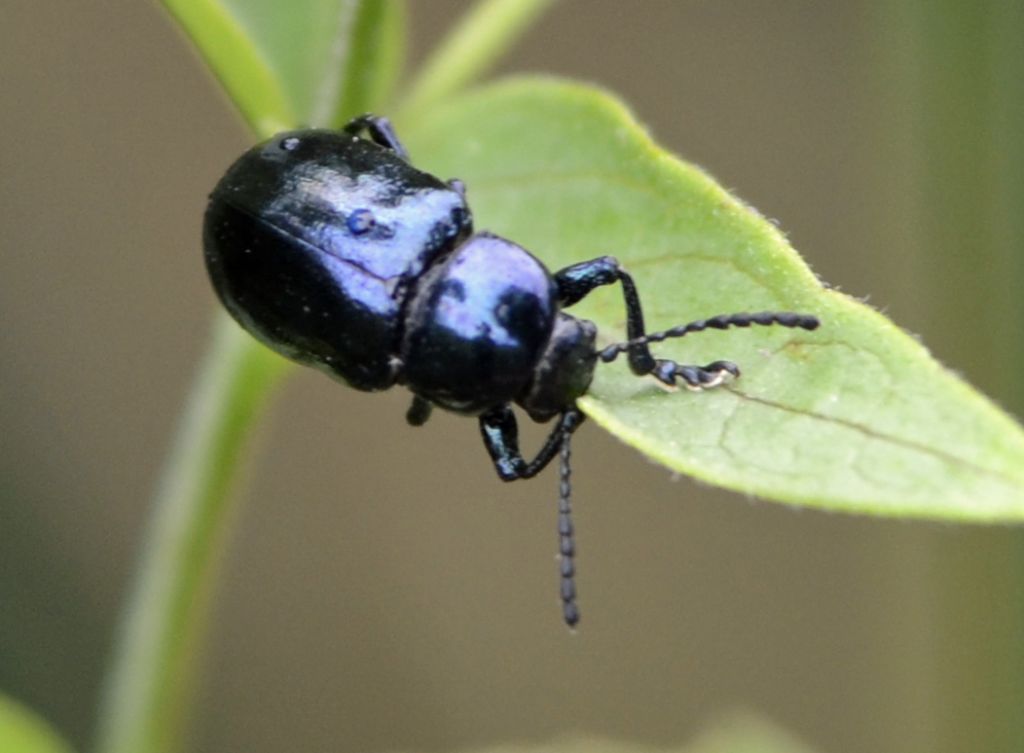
{"x":696,"y":377}
{"x":576,"y":281}
{"x":699,"y":377}
{"x":380,"y":131}
{"x":501,"y":437}
{"x":500,"y":432}
{"x":419,"y":411}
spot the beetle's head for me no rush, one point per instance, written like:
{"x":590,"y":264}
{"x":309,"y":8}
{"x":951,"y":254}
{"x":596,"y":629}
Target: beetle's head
{"x":564,"y":371}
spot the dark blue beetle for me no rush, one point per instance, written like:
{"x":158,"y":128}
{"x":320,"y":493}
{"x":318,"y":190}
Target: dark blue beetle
{"x":334,"y":251}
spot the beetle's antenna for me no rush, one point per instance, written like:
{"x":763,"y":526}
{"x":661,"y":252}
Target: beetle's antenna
{"x":566,"y":541}
{"x":723,"y":321}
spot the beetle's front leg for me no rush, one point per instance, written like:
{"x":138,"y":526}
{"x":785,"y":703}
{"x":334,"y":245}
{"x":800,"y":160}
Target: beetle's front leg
{"x":380,"y":131}
{"x":576,"y":281}
{"x":501,"y":437}
{"x":500,"y":433}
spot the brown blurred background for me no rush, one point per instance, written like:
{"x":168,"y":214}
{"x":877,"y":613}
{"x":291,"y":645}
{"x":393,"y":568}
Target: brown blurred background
{"x":383,"y":590}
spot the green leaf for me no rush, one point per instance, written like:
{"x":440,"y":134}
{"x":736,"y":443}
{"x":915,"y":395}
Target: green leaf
{"x":856,"y":416}
{"x":305,"y":62}
{"x":22,"y":731}
{"x":242,"y":68}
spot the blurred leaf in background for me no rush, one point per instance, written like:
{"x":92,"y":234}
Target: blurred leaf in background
{"x":739,"y":732}
{"x":21,"y":731}
{"x":953,"y":73}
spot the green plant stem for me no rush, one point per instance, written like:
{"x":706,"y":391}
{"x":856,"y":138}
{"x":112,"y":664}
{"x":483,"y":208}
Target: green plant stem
{"x":155,"y":655}
{"x":241,"y":67}
{"x":374,"y":62}
{"x":481,"y":38}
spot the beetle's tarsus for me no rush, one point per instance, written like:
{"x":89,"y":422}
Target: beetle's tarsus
{"x":696,"y":378}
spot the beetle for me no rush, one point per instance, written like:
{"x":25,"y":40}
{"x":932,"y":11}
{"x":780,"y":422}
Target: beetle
{"x":332,"y":249}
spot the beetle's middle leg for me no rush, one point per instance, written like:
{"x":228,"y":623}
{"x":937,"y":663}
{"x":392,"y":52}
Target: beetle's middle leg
{"x":576,"y":281}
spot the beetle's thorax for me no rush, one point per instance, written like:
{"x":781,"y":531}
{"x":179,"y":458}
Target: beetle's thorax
{"x":477,"y":325}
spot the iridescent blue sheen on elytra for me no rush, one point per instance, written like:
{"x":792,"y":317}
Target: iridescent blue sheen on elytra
{"x":313,"y":241}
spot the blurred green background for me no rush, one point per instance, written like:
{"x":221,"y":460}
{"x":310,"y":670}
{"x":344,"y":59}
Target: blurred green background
{"x":383,"y":590}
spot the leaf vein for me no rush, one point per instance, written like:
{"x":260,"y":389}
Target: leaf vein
{"x":869,"y":432}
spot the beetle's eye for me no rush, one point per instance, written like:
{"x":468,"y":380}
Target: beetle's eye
{"x":361,"y":222}
{"x":290,"y":144}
